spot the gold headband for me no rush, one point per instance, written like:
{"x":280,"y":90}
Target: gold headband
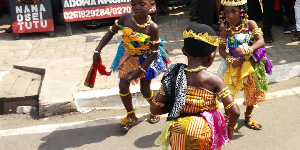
{"x":212,"y":40}
{"x":233,"y":2}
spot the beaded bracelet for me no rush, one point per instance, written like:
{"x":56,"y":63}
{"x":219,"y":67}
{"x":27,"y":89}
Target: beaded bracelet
{"x":230,"y":60}
{"x":142,"y":69}
{"x":256,"y":31}
{"x":224,"y":93}
{"x":222,"y":41}
{"x":249,"y":50}
{"x":230,"y":105}
{"x":130,"y":112}
{"x":154,"y":42}
{"x":158,"y":103}
{"x":232,"y":128}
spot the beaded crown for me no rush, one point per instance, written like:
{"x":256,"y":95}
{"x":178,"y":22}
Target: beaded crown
{"x":233,"y":2}
{"x":205,"y":37}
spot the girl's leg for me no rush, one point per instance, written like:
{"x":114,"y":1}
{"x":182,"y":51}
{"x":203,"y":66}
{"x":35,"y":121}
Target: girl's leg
{"x":148,"y":95}
{"x":127,"y":102}
{"x":249,"y":121}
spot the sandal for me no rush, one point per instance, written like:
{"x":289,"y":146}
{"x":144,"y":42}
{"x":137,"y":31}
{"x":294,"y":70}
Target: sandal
{"x":126,"y":123}
{"x":252,"y":124}
{"x":296,"y":36}
{"x":153,"y":118}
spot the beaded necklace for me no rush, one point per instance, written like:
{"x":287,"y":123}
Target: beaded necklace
{"x":237,"y":28}
{"x":143,"y":25}
{"x":198,"y":69}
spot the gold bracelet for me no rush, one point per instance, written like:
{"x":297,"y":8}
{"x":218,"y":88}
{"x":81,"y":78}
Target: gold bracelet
{"x":130,"y":112}
{"x":154,"y":51}
{"x":151,"y":96}
{"x":249,"y":50}
{"x":122,"y":95}
{"x":256,"y":31}
{"x":230,"y":105}
{"x":222,"y":41}
{"x":154,"y":42}
{"x":117,"y":24}
{"x":110,"y":29}
{"x":230,"y":60}
{"x":224,"y":93}
{"x":232,"y":128}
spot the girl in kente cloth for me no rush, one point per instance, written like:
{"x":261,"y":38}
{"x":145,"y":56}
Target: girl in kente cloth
{"x":139,"y":56}
{"x":242,"y":46}
{"x":190,"y":95}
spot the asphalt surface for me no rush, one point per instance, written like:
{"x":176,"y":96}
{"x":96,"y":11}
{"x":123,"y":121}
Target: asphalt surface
{"x":100,"y":129}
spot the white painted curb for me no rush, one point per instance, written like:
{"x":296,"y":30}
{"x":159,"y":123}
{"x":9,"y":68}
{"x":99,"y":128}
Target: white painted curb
{"x":109,"y":98}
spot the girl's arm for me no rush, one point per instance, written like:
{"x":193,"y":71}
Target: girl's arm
{"x":222,"y":45}
{"x":229,"y":104}
{"x":158,"y":104}
{"x":111,"y":32}
{"x":259,"y":39}
{"x":154,"y":30}
{"x":154,"y":52}
{"x":107,"y":37}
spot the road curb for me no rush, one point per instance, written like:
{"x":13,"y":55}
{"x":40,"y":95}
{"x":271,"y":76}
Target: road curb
{"x":110,"y":99}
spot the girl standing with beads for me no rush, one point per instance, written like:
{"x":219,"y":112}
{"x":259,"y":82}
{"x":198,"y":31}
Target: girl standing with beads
{"x":139,"y":56}
{"x":190,"y":95}
{"x":242,"y":46}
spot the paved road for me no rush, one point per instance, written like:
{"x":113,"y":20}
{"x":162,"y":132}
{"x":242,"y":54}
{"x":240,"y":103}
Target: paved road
{"x":100,"y":129}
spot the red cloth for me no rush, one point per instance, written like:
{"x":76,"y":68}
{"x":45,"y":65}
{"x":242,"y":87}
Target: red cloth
{"x":91,"y":76}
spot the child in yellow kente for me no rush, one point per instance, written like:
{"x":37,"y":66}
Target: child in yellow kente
{"x":242,"y":46}
{"x":139,"y":56}
{"x":190,"y":95}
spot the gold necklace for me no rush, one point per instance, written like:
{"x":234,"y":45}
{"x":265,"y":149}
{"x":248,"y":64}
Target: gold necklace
{"x":143,"y":25}
{"x":237,"y":32}
{"x":193,"y":70}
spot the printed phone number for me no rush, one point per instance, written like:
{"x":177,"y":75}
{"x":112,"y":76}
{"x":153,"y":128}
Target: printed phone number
{"x":112,"y":11}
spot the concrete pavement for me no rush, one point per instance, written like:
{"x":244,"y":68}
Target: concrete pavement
{"x":67,"y":59}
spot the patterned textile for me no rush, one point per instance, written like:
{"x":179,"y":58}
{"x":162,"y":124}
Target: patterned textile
{"x":217,"y":124}
{"x":257,"y":65}
{"x":132,"y":52}
{"x":135,"y":43}
{"x":176,"y":101}
{"x":252,"y":96}
{"x":191,"y":130}
{"x":195,"y":132}
{"x":190,"y":133}
{"x":131,"y":63}
{"x":234,"y":77}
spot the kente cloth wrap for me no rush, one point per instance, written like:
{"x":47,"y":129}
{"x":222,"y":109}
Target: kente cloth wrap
{"x":193,"y":121}
{"x":132,"y":52}
{"x":259,"y":64}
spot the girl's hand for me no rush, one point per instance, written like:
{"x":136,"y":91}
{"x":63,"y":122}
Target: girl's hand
{"x":240,"y":51}
{"x":237,"y":62}
{"x":134,"y":74}
{"x":96,"y":58}
{"x":230,"y":134}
